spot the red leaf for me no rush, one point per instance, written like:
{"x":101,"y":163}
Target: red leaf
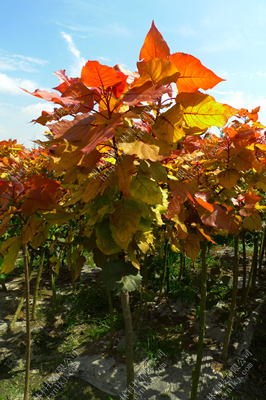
{"x":217,"y":218}
{"x":64,"y":80}
{"x":174,"y":207}
{"x":119,"y":88}
{"x":146,"y":92}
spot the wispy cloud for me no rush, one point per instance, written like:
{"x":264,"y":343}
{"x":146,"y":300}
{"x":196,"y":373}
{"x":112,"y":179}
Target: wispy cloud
{"x":12,"y":86}
{"x":79,"y":62}
{"x":104,"y":58}
{"x":79,"y":28}
{"x":35,"y":110}
{"x":12,"y":62}
{"x":108,"y":29}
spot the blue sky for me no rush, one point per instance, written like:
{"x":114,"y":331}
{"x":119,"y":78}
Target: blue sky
{"x":40,"y":37}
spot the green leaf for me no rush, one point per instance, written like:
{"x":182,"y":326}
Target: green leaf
{"x":104,"y":239}
{"x":119,"y":275}
{"x":145,"y":189}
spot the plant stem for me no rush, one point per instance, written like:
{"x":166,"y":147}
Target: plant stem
{"x":196,"y":370}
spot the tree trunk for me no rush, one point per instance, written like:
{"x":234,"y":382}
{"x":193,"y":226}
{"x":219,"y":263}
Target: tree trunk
{"x":112,"y":322}
{"x":37,"y":284}
{"x":196,"y":370}
{"x":262,"y":251}
{"x":28,"y":337}
{"x":164,"y":270}
{"x":145,"y":285}
{"x":231,"y":316}
{"x":129,"y":345}
{"x":255,"y":262}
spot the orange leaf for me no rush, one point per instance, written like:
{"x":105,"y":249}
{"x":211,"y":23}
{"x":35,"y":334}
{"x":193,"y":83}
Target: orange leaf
{"x":201,"y":230}
{"x":204,"y":204}
{"x":193,"y":74}
{"x":154,"y":45}
{"x":95,"y":74}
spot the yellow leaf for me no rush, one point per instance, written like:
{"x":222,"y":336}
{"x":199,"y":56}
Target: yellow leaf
{"x":169,"y":126}
{"x":202,"y":111}
{"x":148,"y":148}
{"x":12,"y":245}
{"x":124,"y":172}
{"x":192,"y":246}
{"x":132,"y":256}
{"x":253,"y":223}
{"x":156,"y":70}
{"x":125,"y":218}
{"x":228,"y":178}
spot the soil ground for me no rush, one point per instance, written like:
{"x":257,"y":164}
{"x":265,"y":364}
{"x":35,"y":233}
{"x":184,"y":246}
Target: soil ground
{"x":55,"y":336}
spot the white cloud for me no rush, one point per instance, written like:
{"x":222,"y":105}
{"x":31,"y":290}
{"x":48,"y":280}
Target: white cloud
{"x":10,"y":85}
{"x":12,"y":62}
{"x":75,"y":69}
{"x":260,"y":74}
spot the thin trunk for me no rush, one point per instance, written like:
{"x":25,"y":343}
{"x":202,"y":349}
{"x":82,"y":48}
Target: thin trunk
{"x":197,"y":369}
{"x":255,"y":262}
{"x":37,"y":284}
{"x":164,"y":270}
{"x":4,"y":285}
{"x":262,"y":251}
{"x":53,"y":287}
{"x":145,"y":284}
{"x":244,"y":267}
{"x":231,"y":316}
{"x":28,"y":337}
{"x":20,"y":305}
{"x":129,"y":345}
{"x":167,"y":272}
{"x":181,"y":266}
{"x":112,"y":322}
